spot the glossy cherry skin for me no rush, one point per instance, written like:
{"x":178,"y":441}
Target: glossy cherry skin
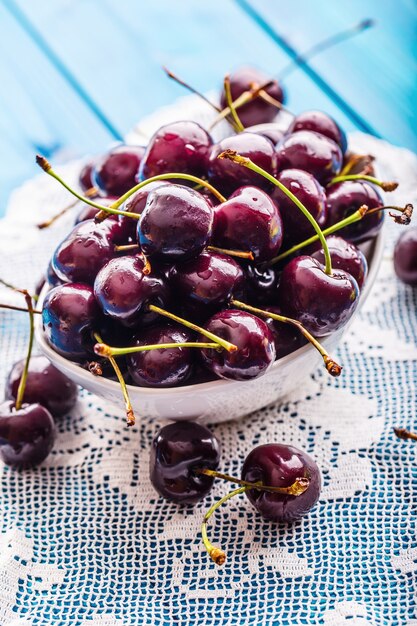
{"x":257,"y":111}
{"x":321,"y":123}
{"x":255,"y":346}
{"x":176,"y":224}
{"x":279,"y":465}
{"x":177,"y":147}
{"x":206,"y":283}
{"x":117,"y":171}
{"x":310,"y":193}
{"x":86,"y":176}
{"x":261,"y":284}
{"x":345,"y":198}
{"x":272,"y":131}
{"x":85,"y":250}
{"x":27,"y":435}
{"x":287,"y":338}
{"x":45,"y":385}
{"x":312,"y":152}
{"x":51,"y":278}
{"x":167,"y":367}
{"x":345,"y":256}
{"x":124,"y":292}
{"x":70,"y":315}
{"x":135,"y":204}
{"x":177,"y":452}
{"x":249,"y":221}
{"x":227,"y":176}
{"x":405,"y":257}
{"x":322,"y":303}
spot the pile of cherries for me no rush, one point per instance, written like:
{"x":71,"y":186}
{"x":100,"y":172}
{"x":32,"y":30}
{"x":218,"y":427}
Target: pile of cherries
{"x":191,"y":260}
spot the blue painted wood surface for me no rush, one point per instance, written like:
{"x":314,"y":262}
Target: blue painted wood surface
{"x":76,"y":75}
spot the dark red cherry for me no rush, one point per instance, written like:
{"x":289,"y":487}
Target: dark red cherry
{"x":86,"y":176}
{"x":70,"y":315}
{"x":178,"y":451}
{"x":27,"y":435}
{"x":177,"y":147}
{"x":228,"y":176}
{"x":45,"y":385}
{"x":249,"y":221}
{"x":287,"y":338}
{"x":175,"y":224}
{"x":279,"y":465}
{"x":117,"y":171}
{"x":255,"y":345}
{"x":310,"y":193}
{"x":345,"y":198}
{"x":320,"y":123}
{"x":312,"y":152}
{"x":345,"y":256}
{"x":206,"y":283}
{"x":124,"y":292}
{"x":273,"y":131}
{"x":257,"y":111}
{"x":85,"y":250}
{"x":405,"y":257}
{"x":135,"y":204}
{"x":51,"y":278}
{"x":167,"y":367}
{"x":321,"y":302}
{"x":261,"y":284}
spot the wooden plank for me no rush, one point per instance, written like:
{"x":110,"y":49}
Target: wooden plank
{"x":374,"y":73}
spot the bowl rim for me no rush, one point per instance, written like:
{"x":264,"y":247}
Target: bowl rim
{"x":376,"y":252}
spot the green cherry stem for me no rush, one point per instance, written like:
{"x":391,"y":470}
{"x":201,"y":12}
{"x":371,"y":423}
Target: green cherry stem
{"x":130,"y":416}
{"x":230,"y":347}
{"x":385,"y":186}
{"x":102,"y":349}
{"x":332,"y":367}
{"x":232,"y":155}
{"x":22,"y":383}
{"x":90,"y":193}
{"x":240,"y":254}
{"x":403,"y":433}
{"x":299,"y":486}
{"x":217,"y":554}
{"x":229,"y":100}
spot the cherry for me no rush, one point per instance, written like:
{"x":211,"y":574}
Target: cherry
{"x":70,"y":314}
{"x":345,"y":256}
{"x":27,"y":434}
{"x":124,"y":292}
{"x":178,"y":451}
{"x":345,"y":198}
{"x":322,"y":303}
{"x":257,"y":111}
{"x":287,"y":339}
{"x":280,"y":465}
{"x":273,"y":131}
{"x":206,"y":283}
{"x":45,"y":385}
{"x":309,"y":191}
{"x":51,"y":278}
{"x":255,"y":345}
{"x":312,"y":152}
{"x":117,"y":171}
{"x":320,"y":123}
{"x":167,"y":367}
{"x":177,"y":147}
{"x":135,"y":204}
{"x":175,"y":224}
{"x":405,"y":257}
{"x":261,"y":284}
{"x":228,"y":176}
{"x":249,"y":220}
{"x":86,"y":176}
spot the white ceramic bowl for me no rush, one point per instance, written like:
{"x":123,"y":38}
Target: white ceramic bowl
{"x":218,"y":400}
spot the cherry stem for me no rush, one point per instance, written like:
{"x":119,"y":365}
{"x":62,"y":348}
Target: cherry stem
{"x":299,"y":486}
{"x":130,"y":416}
{"x":190,"y":88}
{"x":403,"y":433}
{"x":240,"y":254}
{"x":232,"y":155}
{"x":355,"y":160}
{"x":229,"y":100}
{"x":217,"y":554}
{"x":332,"y":367}
{"x":102,"y":349}
{"x":90,"y":193}
{"x":113,"y":208}
{"x":11,"y":307}
{"x":23,"y":379}
{"x":405,"y":213}
{"x":355,"y":217}
{"x":230,"y":347}
{"x":386,"y":186}
{"x":127,"y":247}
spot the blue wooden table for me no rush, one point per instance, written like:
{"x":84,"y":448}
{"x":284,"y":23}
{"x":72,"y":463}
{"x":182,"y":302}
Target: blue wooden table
{"x":76,"y":75}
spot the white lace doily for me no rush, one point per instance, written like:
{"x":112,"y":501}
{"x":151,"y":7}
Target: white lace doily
{"x":84,"y":539}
